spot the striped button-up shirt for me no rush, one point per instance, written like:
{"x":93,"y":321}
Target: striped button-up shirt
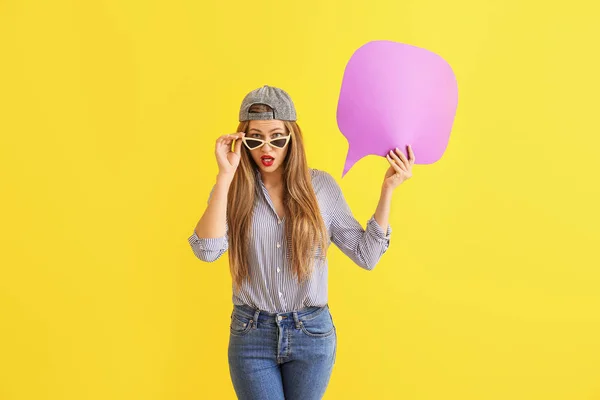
{"x":273,"y":286}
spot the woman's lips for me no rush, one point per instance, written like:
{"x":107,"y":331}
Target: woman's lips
{"x":267,"y":160}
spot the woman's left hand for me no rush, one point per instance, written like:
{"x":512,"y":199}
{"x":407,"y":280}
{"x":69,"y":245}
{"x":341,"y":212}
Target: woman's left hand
{"x":400,"y":168}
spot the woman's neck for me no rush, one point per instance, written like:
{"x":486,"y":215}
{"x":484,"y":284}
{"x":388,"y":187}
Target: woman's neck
{"x":272,"y":179}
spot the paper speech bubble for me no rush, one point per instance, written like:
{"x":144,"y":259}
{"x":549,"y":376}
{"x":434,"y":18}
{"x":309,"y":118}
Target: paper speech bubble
{"x":392,"y":95}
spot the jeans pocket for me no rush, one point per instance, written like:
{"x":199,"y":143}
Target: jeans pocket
{"x":240,"y":325}
{"x":319,"y":326}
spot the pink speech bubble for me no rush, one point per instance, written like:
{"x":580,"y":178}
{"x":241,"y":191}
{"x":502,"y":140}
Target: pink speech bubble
{"x":392,"y":95}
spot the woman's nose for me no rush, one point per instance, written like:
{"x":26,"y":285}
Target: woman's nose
{"x":267,"y":147}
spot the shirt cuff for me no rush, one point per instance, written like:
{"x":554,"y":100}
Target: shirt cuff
{"x":207,"y":244}
{"x":377,"y":230}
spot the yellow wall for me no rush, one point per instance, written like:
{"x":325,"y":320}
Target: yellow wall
{"x":108,"y":115}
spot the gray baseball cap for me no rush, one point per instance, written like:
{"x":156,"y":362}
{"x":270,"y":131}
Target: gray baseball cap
{"x":277,"y":99}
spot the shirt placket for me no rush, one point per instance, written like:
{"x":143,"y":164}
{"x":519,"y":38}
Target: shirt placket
{"x":279,"y":245}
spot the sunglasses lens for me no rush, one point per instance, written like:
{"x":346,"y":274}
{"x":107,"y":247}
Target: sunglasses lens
{"x":253,"y":143}
{"x":278,"y":143}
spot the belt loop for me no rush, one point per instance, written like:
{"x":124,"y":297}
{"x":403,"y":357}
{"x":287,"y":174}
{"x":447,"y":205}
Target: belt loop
{"x":256,"y":312}
{"x":296,"y":319}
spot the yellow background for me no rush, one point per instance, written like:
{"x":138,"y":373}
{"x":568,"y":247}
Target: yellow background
{"x":108,"y":115}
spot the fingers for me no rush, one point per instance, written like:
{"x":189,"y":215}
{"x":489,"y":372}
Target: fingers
{"x":403,"y":158}
{"x":231,"y":136}
{"x":226,"y":140}
{"x":394,"y":164}
{"x":400,"y":159}
{"x":411,"y":155}
{"x":406,"y":163}
{"x":238,"y":146}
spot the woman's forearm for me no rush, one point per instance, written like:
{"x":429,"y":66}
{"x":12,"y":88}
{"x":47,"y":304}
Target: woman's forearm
{"x":213,"y":221}
{"x":382,"y":213}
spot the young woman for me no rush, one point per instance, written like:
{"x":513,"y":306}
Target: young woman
{"x":277,"y":217}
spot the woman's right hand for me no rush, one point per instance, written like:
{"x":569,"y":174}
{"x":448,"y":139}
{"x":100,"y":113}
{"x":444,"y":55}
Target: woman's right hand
{"x":228,"y":160}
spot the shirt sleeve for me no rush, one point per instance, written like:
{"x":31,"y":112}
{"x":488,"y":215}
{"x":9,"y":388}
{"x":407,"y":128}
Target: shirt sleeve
{"x":364,"y":246}
{"x":209,"y":249}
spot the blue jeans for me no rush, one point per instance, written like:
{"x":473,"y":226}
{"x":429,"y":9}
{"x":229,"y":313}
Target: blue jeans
{"x":277,"y":356}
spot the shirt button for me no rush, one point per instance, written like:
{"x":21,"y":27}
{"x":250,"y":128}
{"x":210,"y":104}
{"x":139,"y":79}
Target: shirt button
{"x":280,"y":294}
{"x":278,"y":245}
{"x":278,"y":269}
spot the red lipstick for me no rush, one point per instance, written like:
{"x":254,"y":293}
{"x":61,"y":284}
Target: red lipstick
{"x":267,"y":160}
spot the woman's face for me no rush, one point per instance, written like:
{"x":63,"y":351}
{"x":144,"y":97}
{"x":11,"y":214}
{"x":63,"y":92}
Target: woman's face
{"x":268,"y":158}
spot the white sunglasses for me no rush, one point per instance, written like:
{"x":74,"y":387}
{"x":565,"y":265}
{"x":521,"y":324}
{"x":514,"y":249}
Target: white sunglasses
{"x":254,"y":143}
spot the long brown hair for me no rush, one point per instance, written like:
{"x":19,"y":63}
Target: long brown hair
{"x":306,"y":233}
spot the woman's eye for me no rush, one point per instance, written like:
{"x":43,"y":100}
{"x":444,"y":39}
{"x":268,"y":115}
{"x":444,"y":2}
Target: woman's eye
{"x":275,"y":135}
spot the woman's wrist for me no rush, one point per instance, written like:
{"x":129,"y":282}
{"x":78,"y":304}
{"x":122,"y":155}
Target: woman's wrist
{"x":386,"y":191}
{"x":224,"y":180}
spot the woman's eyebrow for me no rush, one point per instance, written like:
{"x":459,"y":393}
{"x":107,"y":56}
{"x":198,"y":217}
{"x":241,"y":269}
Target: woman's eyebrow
{"x":258,"y":130}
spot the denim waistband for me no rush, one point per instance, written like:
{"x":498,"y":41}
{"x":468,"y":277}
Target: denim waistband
{"x":261,"y":316}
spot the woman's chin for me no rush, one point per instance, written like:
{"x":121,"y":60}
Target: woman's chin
{"x":268,"y":168}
